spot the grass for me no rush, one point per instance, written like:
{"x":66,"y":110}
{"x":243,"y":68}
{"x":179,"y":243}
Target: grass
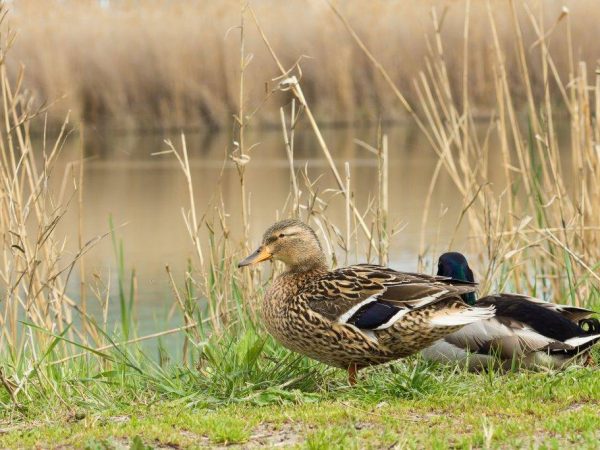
{"x":444,"y":408}
{"x":176,"y":63}
{"x":535,"y":232}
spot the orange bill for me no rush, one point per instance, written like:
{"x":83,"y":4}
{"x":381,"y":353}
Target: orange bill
{"x":261,"y":254}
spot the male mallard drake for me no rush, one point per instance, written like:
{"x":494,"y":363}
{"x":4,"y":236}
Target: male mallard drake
{"x":355,"y":316}
{"x":525,"y":330}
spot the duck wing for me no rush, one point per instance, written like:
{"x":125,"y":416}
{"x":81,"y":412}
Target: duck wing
{"x":373,"y":297}
{"x":572,"y":313}
{"x":547,"y":319}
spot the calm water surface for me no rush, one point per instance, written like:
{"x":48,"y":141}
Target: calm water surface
{"x":145,"y":195}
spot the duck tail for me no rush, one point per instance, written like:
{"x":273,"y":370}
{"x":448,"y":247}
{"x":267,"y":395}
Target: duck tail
{"x":589,"y":326}
{"x":463,"y":317}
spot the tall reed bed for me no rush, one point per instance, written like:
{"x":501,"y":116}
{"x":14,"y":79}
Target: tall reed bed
{"x":539,"y":230}
{"x":536,"y":229}
{"x":173,"y":63}
{"x":536,"y":232}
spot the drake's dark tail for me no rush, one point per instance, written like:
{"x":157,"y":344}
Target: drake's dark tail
{"x":591,"y":336}
{"x":589,"y":326}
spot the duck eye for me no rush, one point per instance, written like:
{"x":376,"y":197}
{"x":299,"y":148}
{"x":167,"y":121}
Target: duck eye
{"x":281,"y":235}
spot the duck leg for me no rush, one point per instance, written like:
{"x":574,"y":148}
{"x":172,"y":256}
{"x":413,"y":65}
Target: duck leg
{"x":352,"y":371}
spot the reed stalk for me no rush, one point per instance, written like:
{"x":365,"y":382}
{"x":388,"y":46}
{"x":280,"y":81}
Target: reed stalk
{"x":532,"y":212}
{"x":535,"y":184}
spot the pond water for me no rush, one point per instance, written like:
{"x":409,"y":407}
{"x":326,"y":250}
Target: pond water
{"x":145,"y":195}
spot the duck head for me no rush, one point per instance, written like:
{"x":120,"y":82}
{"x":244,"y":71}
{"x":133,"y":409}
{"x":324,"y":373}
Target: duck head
{"x":292,"y":242}
{"x":455,"y":265}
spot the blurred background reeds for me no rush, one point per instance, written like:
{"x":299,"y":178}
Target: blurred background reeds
{"x":164,"y":64}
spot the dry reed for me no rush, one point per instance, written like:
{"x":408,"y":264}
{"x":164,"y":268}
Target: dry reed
{"x":173,"y":63}
{"x":537,"y":231}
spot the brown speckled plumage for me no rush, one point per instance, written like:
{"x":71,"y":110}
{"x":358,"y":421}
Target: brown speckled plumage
{"x":296,"y":309}
{"x":314,"y":311}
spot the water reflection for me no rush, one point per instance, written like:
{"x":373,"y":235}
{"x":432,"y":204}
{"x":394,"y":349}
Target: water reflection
{"x":146,"y":195}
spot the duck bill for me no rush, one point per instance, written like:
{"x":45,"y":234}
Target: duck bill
{"x":261,"y":254}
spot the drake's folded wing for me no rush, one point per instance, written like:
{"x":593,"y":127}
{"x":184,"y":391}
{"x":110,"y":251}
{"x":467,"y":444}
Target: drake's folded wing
{"x":544,"y":320}
{"x":572,"y":313}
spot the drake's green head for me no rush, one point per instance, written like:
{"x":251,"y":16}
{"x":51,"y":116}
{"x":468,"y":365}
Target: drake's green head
{"x":455,"y":265}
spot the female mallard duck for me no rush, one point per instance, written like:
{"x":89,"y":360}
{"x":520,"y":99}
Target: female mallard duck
{"x":526,"y":331}
{"x":355,"y":316}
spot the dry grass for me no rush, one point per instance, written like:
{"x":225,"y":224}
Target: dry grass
{"x":172,"y":63}
{"x":538,"y":229}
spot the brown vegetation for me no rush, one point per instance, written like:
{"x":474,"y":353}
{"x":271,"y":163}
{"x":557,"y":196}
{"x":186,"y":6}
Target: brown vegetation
{"x":535,"y":231}
{"x":174,"y":63}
